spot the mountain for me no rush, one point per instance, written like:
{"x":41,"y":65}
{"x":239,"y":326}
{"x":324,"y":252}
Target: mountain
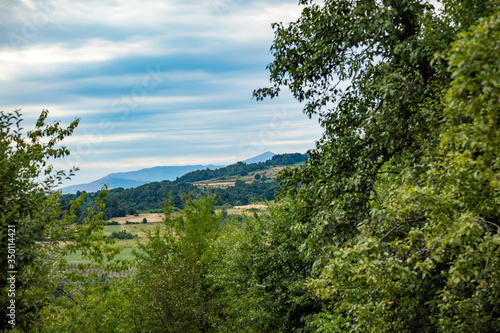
{"x":136,"y":178}
{"x":133,"y":179}
{"x":260,"y":158}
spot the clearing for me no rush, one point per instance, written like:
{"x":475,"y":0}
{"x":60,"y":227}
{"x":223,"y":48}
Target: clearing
{"x":152,"y":217}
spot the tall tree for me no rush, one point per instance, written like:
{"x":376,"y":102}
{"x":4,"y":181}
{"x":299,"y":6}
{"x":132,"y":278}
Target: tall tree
{"x":31,"y":223}
{"x":176,"y":292}
{"x":27,"y":212}
{"x":403,"y":186}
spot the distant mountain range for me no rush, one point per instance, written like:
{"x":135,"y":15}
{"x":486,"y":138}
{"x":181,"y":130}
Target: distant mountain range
{"x":136,"y":178}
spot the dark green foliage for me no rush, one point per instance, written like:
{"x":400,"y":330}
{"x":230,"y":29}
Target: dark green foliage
{"x":25,"y":205}
{"x":149,"y":196}
{"x":242,"y":169}
{"x":114,"y":208}
{"x":390,"y":225}
{"x":262,"y":274}
{"x":121,"y":235}
{"x":402,"y":190}
{"x":173,"y":271}
{"x":30,"y":207}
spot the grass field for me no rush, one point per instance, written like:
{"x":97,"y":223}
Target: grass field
{"x":150,"y":217}
{"x":128,"y":244}
{"x":76,"y":258}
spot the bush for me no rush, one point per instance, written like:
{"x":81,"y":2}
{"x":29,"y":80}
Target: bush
{"x":121,"y":235}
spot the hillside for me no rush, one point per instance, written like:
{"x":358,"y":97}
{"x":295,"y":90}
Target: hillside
{"x":136,"y":178}
{"x":233,"y":185}
{"x":241,"y":169}
{"x":131,"y":179}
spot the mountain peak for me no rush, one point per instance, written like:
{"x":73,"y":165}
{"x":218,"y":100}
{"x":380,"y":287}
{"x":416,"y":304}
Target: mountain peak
{"x":260,"y":158}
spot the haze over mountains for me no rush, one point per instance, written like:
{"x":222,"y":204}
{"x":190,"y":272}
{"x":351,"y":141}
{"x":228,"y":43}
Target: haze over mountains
{"x":132,"y":179}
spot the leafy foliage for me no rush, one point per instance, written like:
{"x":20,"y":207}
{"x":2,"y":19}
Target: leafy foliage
{"x":262,"y":273}
{"x":28,"y":203}
{"x":121,"y":235}
{"x":402,"y":191}
{"x":390,"y":225}
{"x":177,"y":294}
{"x":25,"y":205}
{"x":96,"y":304}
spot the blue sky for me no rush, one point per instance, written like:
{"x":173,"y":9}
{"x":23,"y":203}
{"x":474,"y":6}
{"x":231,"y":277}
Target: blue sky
{"x":154,"y":82}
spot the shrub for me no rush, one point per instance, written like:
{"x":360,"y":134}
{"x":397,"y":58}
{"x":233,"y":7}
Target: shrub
{"x":121,"y":235}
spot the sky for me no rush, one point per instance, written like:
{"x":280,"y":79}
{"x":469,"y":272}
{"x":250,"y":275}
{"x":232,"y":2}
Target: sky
{"x":154,"y":83}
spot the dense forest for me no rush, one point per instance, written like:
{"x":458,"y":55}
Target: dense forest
{"x":390,"y":224}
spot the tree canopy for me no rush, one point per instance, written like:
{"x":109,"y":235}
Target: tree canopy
{"x":401,"y":193}
{"x":32,"y":226}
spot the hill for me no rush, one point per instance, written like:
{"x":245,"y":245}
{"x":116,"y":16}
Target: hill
{"x":241,"y":168}
{"x":233,"y":185}
{"x":133,"y":179}
{"x":136,"y":178}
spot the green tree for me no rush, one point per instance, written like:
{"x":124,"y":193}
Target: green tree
{"x":261,"y":274}
{"x":177,"y":293}
{"x":97,"y":304}
{"x":31,"y":222}
{"x":25,"y":205}
{"x":400,"y":195}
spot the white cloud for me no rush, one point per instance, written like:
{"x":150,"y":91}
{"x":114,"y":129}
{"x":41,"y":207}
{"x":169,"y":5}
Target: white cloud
{"x":90,"y":56}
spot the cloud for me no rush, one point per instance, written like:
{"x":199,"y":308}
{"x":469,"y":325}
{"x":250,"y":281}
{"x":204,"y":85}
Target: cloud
{"x":154,"y":82}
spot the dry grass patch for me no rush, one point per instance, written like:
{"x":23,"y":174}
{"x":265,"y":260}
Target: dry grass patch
{"x":153,"y":217}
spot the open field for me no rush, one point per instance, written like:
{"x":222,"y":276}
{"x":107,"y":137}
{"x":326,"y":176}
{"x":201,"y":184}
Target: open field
{"x":76,"y":258}
{"x":254,"y":206}
{"x":152,"y":217}
{"x":208,"y":183}
{"x":247,"y":209}
{"x":128,"y":244}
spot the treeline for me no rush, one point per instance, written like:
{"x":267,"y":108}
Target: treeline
{"x":241,"y":168}
{"x":149,"y":197}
